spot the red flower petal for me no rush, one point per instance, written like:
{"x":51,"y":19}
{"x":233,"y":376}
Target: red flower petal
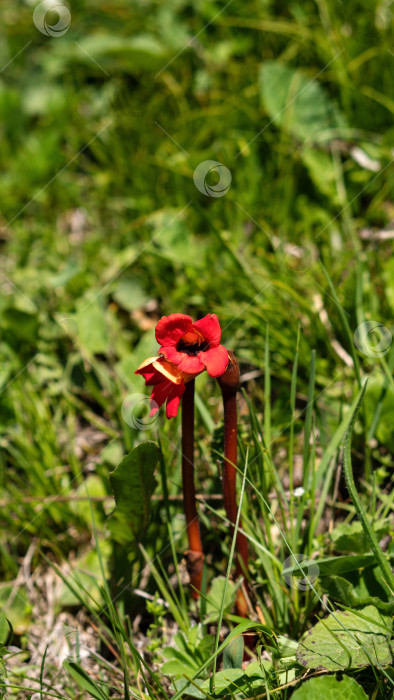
{"x":147,"y":373}
{"x":155,"y":379}
{"x":157,"y":369}
{"x":159,"y":394}
{"x":146,"y":368}
{"x":150,"y":374}
{"x":191,"y":364}
{"x":215,"y":360}
{"x":174,"y":400}
{"x":168,"y":370}
{"x":172,"y":354}
{"x":209,"y":327}
{"x":170,"y":329}
{"x":154,"y":407}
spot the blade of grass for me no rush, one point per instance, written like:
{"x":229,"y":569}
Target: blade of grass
{"x":306,"y":450}
{"x":293,"y":391}
{"x":178,"y":616}
{"x":163,"y":475}
{"x":308,"y":422}
{"x":267,"y":391}
{"x":345,"y":325}
{"x":369,"y":532}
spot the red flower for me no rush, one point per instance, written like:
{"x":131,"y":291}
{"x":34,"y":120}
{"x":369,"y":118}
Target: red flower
{"x":192,"y":347}
{"x":167,"y":381}
{"x":186,"y":349}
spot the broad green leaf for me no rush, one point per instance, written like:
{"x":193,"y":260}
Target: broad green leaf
{"x":230,"y":678}
{"x":239,"y":629}
{"x":16,"y":606}
{"x":120,"y":529}
{"x":238,"y":680}
{"x":188,"y":653}
{"x":214,"y":598}
{"x":133,"y":483}
{"x":330,"y":688}
{"x":178,"y":667}
{"x":344,"y":591}
{"x":363,"y":586}
{"x":92,"y":328}
{"x":346,"y":641}
{"x":5,"y":628}
{"x":287,"y":649}
{"x":204,"y":648}
{"x":336,"y":565}
{"x":297,"y":102}
{"x":233,"y":654}
{"x":180,"y":658}
{"x":181,"y":248}
{"x":111,"y":52}
{"x":192,"y":692}
{"x":129,"y":294}
{"x":322,"y":172}
{"x":379,"y":393}
{"x":388,"y":275}
{"x":351,"y":538}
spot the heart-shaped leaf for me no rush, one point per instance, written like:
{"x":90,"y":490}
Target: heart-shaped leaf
{"x":298,"y":103}
{"x":234,"y":653}
{"x":330,"y":688}
{"x":133,"y":483}
{"x":346,"y":640}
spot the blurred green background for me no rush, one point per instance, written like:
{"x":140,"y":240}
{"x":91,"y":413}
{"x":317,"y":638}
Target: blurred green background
{"x":106,"y":112}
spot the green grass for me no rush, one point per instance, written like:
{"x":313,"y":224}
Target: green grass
{"x":102,"y":231}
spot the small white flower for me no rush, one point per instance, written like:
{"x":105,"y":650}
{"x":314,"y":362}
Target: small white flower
{"x":298,"y":492}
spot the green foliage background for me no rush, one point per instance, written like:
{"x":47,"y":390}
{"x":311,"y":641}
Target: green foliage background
{"x":103,"y":230}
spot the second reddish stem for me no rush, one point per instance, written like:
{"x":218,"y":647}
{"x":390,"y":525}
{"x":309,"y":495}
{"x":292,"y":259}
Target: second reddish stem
{"x":229,"y":384}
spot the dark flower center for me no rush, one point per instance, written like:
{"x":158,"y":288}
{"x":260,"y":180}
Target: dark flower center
{"x":192,"y":349}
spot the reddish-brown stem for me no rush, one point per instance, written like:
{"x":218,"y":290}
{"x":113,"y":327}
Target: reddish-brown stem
{"x":229,"y":384}
{"x":194,"y":555}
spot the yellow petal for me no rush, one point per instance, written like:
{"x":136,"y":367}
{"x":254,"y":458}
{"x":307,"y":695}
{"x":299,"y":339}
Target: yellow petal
{"x":168,"y":370}
{"x":147,"y":362}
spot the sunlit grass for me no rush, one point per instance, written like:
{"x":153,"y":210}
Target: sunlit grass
{"x":103,"y":231}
